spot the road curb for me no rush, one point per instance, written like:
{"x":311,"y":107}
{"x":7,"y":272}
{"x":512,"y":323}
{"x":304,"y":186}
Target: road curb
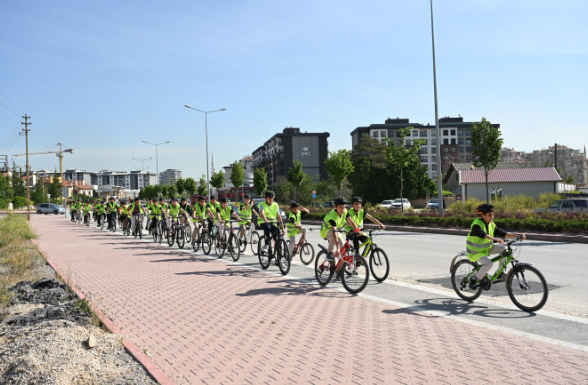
{"x":574,"y":238}
{"x":150,"y":366}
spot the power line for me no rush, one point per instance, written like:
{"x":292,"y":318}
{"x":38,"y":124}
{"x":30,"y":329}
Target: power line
{"x":10,"y":102}
{"x":5,"y":106}
{"x":10,"y":136}
{"x":6,"y":116}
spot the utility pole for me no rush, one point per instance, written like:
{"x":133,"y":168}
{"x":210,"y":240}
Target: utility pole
{"x":440,"y":207}
{"x":26,"y":133}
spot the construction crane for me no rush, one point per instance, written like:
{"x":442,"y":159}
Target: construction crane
{"x":59,"y":155}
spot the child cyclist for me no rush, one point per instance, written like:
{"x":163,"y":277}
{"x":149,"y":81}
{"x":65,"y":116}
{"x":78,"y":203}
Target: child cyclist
{"x":357,"y":214}
{"x":123,"y":212}
{"x":294,"y":224}
{"x":333,"y":221}
{"x":479,"y":242}
{"x":223,"y":214}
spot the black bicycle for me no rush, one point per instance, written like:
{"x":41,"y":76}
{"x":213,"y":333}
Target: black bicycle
{"x":157,"y":231}
{"x":138,"y":230}
{"x":277,"y":249}
{"x":231,"y":244}
{"x":125,"y":225}
{"x":176,"y":234}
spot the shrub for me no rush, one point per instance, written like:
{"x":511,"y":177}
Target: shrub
{"x":19,"y":202}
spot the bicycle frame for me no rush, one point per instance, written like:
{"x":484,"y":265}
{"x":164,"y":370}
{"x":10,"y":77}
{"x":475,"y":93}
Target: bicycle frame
{"x":509,"y":258}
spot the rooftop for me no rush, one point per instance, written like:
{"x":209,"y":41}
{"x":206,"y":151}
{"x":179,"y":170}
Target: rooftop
{"x":543,"y":174}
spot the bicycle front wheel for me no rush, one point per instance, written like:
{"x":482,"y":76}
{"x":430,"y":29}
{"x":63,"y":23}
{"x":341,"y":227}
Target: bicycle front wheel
{"x":170,"y":238}
{"x":206,"y":242}
{"x":306,"y":253}
{"x":379,"y":265}
{"x":527,"y":288}
{"x":188,"y":234}
{"x":355,"y":277}
{"x":264,"y":258}
{"x":283,"y":257}
{"x":181,"y":238}
{"x":463,"y":270}
{"x":196,"y":241}
{"x":140,"y":229}
{"x":233,"y":247}
{"x":323,"y":269}
{"x":254,"y":242}
{"x":242,"y":241}
{"x":218,"y":246}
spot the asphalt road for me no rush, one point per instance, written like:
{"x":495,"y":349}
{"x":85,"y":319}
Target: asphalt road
{"x":420,"y":282}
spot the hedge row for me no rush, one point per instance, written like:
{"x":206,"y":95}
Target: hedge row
{"x":564,"y":226}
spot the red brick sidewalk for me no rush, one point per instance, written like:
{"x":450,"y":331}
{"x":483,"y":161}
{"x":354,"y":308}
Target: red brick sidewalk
{"x":204,"y":321}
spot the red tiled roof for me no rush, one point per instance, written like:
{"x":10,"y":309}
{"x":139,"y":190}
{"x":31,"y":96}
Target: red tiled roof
{"x":543,"y":174}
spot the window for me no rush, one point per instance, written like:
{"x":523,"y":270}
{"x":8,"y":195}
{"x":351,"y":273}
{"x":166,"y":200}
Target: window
{"x":433,"y":159}
{"x":445,"y":132}
{"x":424,"y":159}
{"x":424,"y":150}
{"x":445,"y":142}
{"x":452,"y":132}
{"x":555,"y":205}
{"x":446,"y":150}
{"x":408,"y":133}
{"x":460,"y":141}
{"x":415,"y":133}
{"x":581,"y":204}
{"x":453,"y":141}
{"x":434,"y":167}
{"x":453,"y":150}
{"x":467,"y":132}
{"x":567,"y":205}
{"x":383,"y":134}
{"x":460,"y":132}
{"x":375,"y":134}
{"x":398,"y":134}
{"x":433,"y":142}
{"x":468,"y":149}
{"x":399,"y":142}
{"x":423,"y":134}
{"x":460,"y":150}
{"x":433,"y":133}
{"x":433,"y":150}
{"x":468,"y":141}
{"x":408,"y":143}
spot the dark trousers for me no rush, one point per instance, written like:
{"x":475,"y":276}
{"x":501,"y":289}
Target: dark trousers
{"x":267,"y":231}
{"x":109,"y":219}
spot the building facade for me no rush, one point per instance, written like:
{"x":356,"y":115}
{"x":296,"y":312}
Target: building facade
{"x":456,"y":140}
{"x":73,"y":174}
{"x":129,"y":180}
{"x":168,"y":175}
{"x":276,"y":155}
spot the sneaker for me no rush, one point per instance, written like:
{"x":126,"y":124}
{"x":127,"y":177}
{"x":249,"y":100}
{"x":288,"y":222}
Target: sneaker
{"x":264,"y":249}
{"x":474,"y":283}
{"x":330,"y":257}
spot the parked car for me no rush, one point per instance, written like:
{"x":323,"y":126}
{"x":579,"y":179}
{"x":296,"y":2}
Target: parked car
{"x":398,"y":203}
{"x":565,"y":206}
{"x":433,"y":204}
{"x":386,"y":204}
{"x":49,"y":208}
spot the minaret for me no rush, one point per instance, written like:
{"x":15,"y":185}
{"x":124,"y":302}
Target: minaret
{"x":585,"y":167}
{"x":212,"y":165}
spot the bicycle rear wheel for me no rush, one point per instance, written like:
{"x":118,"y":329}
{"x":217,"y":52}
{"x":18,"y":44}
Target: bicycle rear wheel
{"x":181,"y":237}
{"x":196,"y":241}
{"x":527,"y":288}
{"x":358,"y":275}
{"x":283,"y":257}
{"x":140,"y":229}
{"x":264,"y":258}
{"x":379,"y":265}
{"x":170,"y":237}
{"x":188,"y":233}
{"x":206,"y":242}
{"x":233,"y":247}
{"x":306,"y":253}
{"x":463,"y":270}
{"x":323,"y":270}
{"x":254,"y":242}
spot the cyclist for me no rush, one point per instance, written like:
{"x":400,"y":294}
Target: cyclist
{"x":187,"y":209}
{"x":87,"y":210}
{"x":80,"y":208}
{"x":174,"y":210}
{"x":123,"y":212}
{"x":245,"y":212}
{"x":268,"y":212}
{"x":479,"y":242}
{"x":73,"y":207}
{"x":136,"y":208}
{"x":151,"y":208}
{"x":224,"y":216}
{"x":213,"y":205}
{"x":201,"y":210}
{"x":294,"y":224}
{"x":111,"y":208}
{"x":164,"y":207}
{"x":357,"y":214}
{"x":100,"y":210}
{"x":336,"y":218}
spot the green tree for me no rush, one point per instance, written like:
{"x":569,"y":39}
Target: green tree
{"x":296,"y":175}
{"x":237,"y":177}
{"x":19,"y":188}
{"x":164,"y":190}
{"x":5,"y":188}
{"x":39,"y":195}
{"x":181,"y":186}
{"x":171,"y":191}
{"x":56,"y":187}
{"x":339,"y":166}
{"x":190,"y":186}
{"x":202,"y":189}
{"x":260,"y":181}
{"x":218,"y":180}
{"x":402,"y":155}
{"x":487,"y":142}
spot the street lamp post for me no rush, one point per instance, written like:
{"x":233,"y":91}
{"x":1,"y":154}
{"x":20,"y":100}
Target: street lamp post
{"x":157,"y":158}
{"x":440,"y":207}
{"x":206,"y":130}
{"x":142,"y":162}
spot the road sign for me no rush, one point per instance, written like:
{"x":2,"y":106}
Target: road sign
{"x":314,"y":193}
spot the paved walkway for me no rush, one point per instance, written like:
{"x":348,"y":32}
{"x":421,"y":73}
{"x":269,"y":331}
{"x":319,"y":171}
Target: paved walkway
{"x":206,"y":321}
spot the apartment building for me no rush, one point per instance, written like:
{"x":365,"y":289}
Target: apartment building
{"x":130,"y":180}
{"x":168,"y":175}
{"x":73,"y":174}
{"x":277,"y":153}
{"x":456,"y":139}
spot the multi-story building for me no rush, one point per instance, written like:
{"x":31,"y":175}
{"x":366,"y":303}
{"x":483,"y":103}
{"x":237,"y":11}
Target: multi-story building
{"x":570,"y":161}
{"x":456,"y":140}
{"x":168,"y":175}
{"x":130,"y":180}
{"x":73,"y":174}
{"x":277,"y":154}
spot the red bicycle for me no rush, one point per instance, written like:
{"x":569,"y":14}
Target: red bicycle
{"x":351,"y":269}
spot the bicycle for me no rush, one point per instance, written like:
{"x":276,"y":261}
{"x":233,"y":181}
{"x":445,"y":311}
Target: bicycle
{"x":74,"y":215}
{"x":306,"y":250}
{"x":138,"y":231}
{"x":231,"y":244}
{"x":379,"y":264}
{"x":157,"y":231}
{"x":187,"y":230}
{"x":250,"y":237}
{"x":350,"y":268}
{"x":101,"y":219}
{"x":529,"y":285}
{"x":112,"y":224}
{"x":203,"y":237}
{"x":277,"y":249}
{"x":87,"y":219}
{"x":176,"y":233}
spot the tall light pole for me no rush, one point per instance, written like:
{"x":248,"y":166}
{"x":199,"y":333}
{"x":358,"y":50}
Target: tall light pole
{"x":157,"y":157}
{"x":440,"y":207}
{"x":142,"y":161}
{"x":206,"y":129}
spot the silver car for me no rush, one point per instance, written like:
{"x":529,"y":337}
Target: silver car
{"x":49,"y":208}
{"x":565,"y":205}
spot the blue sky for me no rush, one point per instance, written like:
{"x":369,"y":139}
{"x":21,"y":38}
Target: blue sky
{"x":100,"y":77}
